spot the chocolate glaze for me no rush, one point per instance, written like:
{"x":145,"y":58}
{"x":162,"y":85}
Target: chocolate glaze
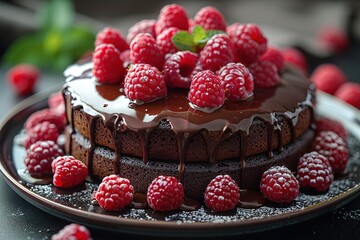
{"x":109,"y":102}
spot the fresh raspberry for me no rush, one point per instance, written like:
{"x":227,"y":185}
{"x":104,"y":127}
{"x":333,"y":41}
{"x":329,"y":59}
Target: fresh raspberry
{"x":144,"y":83}
{"x":314,"y":172}
{"x":218,"y":51}
{"x":222,"y":194}
{"x":143,"y":49}
{"x":68,"y":171}
{"x":279,"y":185}
{"x":40,"y":155}
{"x":295,"y":58}
{"x":333,"y":147}
{"x":41,"y":132}
{"x":265,"y":74}
{"x":172,"y":15}
{"x":349,"y":93}
{"x":334,"y":38}
{"x":178,"y":69}
{"x":206,"y":91}
{"x":231,"y":28}
{"x":125,"y":57}
{"x":114,"y":193}
{"x":163,"y":40}
{"x":273,"y":55}
{"x":112,"y":36}
{"x":165,"y":193}
{"x":57,"y":104}
{"x":144,"y":26}
{"x":23,"y":78}
{"x":72,"y":231}
{"x":249,"y":42}
{"x":210,"y":18}
{"x":328,"y":78}
{"x":237,"y":81}
{"x":108,"y":66}
{"x":326,"y":124}
{"x":46,"y":115}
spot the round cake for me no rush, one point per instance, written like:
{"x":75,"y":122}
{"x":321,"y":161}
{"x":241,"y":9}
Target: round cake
{"x":112,"y":135}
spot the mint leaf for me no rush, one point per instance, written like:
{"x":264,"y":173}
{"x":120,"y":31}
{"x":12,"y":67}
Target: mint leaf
{"x":183,"y":41}
{"x":57,"y":14}
{"x":198,"y":34}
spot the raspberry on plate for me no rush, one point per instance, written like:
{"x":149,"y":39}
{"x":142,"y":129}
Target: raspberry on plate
{"x":108,"y":66}
{"x":210,"y":18}
{"x":265,"y":74}
{"x":222,"y":194}
{"x":143,"y":49}
{"x":56,"y":102}
{"x":333,"y":147}
{"x":279,"y":185}
{"x":206,"y":91}
{"x":143,"y":26}
{"x":164,"y":42}
{"x":46,"y":115}
{"x":249,"y":42}
{"x":178,"y":69}
{"x":23,"y":78}
{"x":165,"y":193}
{"x":112,"y":36}
{"x":172,"y":15}
{"x":218,"y":51}
{"x":41,"y":132}
{"x":334,"y":38}
{"x":72,"y":231}
{"x":144,"y":83}
{"x":328,"y":78}
{"x":68,"y":171}
{"x":295,"y":58}
{"x":327,"y":124}
{"x":314,"y":172}
{"x":274,"y":55}
{"x":114,"y":193}
{"x":349,"y":93}
{"x":40,"y":155}
{"x":237,"y":81}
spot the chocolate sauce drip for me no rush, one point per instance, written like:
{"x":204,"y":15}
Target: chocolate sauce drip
{"x":251,"y":199}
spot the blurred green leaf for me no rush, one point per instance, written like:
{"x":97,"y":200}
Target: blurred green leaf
{"x":58,"y":14}
{"x":198,"y":34}
{"x":78,"y":40}
{"x":183,"y":41}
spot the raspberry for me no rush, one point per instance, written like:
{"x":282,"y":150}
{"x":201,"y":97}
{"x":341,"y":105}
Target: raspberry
{"x":231,"y":28}
{"x":218,"y":51}
{"x":72,"y":231}
{"x":23,"y":78}
{"x":40,"y":155}
{"x":273,"y":55}
{"x":125,"y":57}
{"x":163,"y":40}
{"x":41,"y":132}
{"x":144,"y":26}
{"x":328,"y":78}
{"x":265,"y":74}
{"x":326,"y":124}
{"x":249,"y":42}
{"x":46,"y":115}
{"x":222,"y":194}
{"x":210,"y":18}
{"x":295,"y":58}
{"x":108,"y":66}
{"x":143,"y":49}
{"x":172,"y":15}
{"x":314,"y":172}
{"x":68,"y":171}
{"x":56,"y":102}
{"x":206,"y":91}
{"x":114,"y":193}
{"x":237,"y":81}
{"x":165,"y":193}
{"x":112,"y":36}
{"x":144,"y":83}
{"x":178,"y":69}
{"x":349,"y":93}
{"x":335,"y":38}
{"x":333,"y":147}
{"x":279,"y":185}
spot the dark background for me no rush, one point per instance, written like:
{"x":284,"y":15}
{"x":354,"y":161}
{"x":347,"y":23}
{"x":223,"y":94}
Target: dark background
{"x":286,"y":23}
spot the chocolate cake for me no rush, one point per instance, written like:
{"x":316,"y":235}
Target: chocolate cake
{"x":111,"y":135}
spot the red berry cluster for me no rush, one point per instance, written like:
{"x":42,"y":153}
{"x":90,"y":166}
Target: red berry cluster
{"x":187,"y":53}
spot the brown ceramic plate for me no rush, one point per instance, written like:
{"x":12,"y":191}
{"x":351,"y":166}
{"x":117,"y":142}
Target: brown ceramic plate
{"x":75,"y":205}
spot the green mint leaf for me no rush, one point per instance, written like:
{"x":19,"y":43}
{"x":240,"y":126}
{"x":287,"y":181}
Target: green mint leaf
{"x":57,"y":14}
{"x":198,"y":34}
{"x":183,"y":41}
